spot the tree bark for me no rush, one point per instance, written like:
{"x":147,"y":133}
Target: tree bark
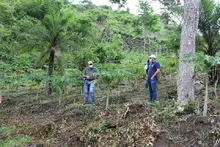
{"x":215,"y":87}
{"x":205,"y":107}
{"x":187,"y":47}
{"x":50,"y":71}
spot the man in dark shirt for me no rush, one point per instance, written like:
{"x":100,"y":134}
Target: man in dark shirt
{"x":153,"y":71}
{"x":89,"y":78}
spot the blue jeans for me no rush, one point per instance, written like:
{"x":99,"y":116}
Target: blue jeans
{"x":89,"y":89}
{"x":146,"y":84}
{"x":153,"y":89}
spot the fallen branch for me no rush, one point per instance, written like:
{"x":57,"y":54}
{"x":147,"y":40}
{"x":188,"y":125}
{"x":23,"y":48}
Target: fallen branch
{"x":126,"y":112}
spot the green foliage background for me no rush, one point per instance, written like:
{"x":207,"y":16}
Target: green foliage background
{"x":117,"y":41}
{"x":80,"y":32}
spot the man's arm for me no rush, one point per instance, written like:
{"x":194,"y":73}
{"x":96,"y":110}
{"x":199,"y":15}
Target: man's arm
{"x":156,"y":73}
{"x":145,"y":69}
{"x":146,"y":76}
{"x":84,"y":74}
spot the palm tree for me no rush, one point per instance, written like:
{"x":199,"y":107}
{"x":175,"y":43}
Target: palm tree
{"x":209,"y":27}
{"x":59,"y":31}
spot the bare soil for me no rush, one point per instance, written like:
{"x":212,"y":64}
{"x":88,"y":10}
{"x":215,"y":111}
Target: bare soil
{"x":131,"y":121}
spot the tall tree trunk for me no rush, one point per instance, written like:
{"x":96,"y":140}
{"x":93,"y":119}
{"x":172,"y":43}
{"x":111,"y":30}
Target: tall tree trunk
{"x":215,"y":86}
{"x":205,"y":107}
{"x":187,"y":47}
{"x":50,"y":71}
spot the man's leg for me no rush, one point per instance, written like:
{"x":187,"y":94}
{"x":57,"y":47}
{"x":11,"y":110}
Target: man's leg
{"x":150,"y":90}
{"x":154,"y":89}
{"x":92,"y":92}
{"x":146,"y":84}
{"x":86,"y":92}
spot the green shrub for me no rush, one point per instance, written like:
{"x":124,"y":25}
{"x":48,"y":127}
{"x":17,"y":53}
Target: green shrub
{"x":168,"y":64}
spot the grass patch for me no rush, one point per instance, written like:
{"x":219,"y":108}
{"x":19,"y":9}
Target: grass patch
{"x":10,"y":140}
{"x":15,"y":142}
{"x":7,"y":130}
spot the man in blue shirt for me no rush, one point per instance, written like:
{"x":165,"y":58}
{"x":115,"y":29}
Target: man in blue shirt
{"x":153,"y":71}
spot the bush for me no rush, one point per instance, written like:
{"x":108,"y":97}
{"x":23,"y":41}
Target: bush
{"x":168,"y":64}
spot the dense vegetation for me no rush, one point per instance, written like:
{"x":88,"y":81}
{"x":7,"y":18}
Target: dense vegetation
{"x":52,"y":40}
{"x":45,"y":45}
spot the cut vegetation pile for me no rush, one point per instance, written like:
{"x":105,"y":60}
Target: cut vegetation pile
{"x":128,"y":127}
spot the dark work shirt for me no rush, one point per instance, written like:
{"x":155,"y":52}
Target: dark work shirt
{"x":90,"y":72}
{"x":152,"y":69}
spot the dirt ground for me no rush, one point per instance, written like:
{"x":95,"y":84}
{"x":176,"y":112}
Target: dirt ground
{"x":130,"y":121}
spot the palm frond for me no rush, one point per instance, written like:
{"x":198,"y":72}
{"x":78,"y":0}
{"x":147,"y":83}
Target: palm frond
{"x":60,"y":64}
{"x":43,"y":58}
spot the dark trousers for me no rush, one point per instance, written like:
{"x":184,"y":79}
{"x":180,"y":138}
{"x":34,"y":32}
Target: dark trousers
{"x":152,"y":84}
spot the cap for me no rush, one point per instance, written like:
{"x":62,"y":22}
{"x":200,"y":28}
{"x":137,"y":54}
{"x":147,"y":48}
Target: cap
{"x":89,"y":62}
{"x":152,"y":56}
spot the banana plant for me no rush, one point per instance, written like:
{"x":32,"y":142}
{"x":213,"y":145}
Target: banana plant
{"x":58,"y":85}
{"x":203,"y":65}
